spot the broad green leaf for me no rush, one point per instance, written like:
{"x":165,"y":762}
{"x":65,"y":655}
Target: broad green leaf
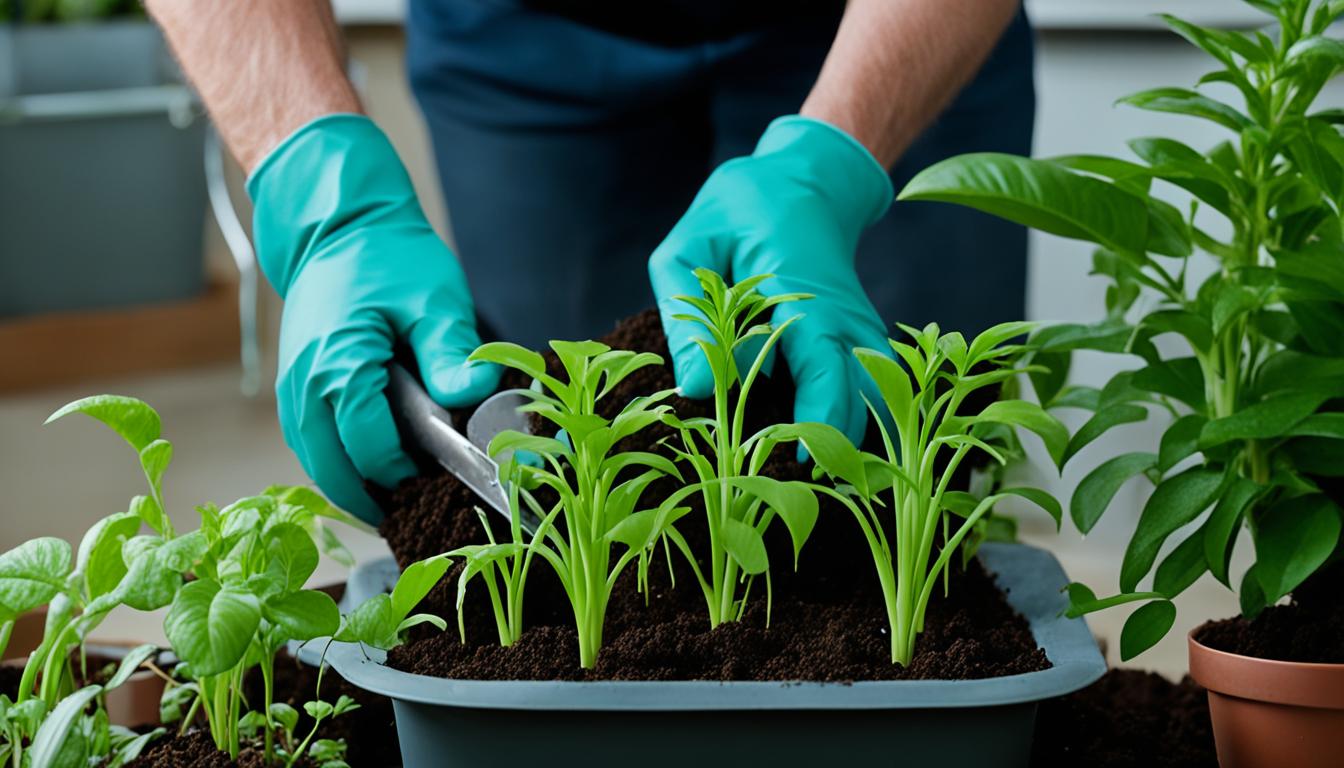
{"x":511,"y":356}
{"x":1292,"y":539}
{"x":1095,"y":491}
{"x":285,"y":715}
{"x":148,"y":584}
{"x":794,"y":502}
{"x":32,"y":574}
{"x":1272,"y":417}
{"x":1131,"y":177}
{"x":373,"y":623}
{"x":1324,"y":48}
{"x":148,"y":510}
{"x":1321,"y":324}
{"x":1319,"y":425}
{"x":1101,"y":422}
{"x":211,"y":626}
{"x":1190,"y":326}
{"x":745,"y":546}
{"x":182,"y":553}
{"x":50,"y":745}
{"x":415,"y":582}
{"x":1049,"y":374}
{"x":1168,"y":232}
{"x":893,"y":383}
{"x":511,"y":440}
{"x":1175,"y":501}
{"x":291,"y":555}
{"x":1041,"y":499}
{"x":154,"y":458}
{"x":1187,"y":102}
{"x":1145,"y":626}
{"x":1221,"y":528}
{"x":129,"y":664}
{"x":1038,"y":194}
{"x":1182,"y":566}
{"x":1081,"y":598}
{"x":302,"y":615}
{"x":133,"y":419}
{"x":830,"y":449}
{"x":99,"y":556}
{"x":1251,"y":596}
{"x":1029,"y":416}
{"x":1180,"y":441}
{"x":1179,"y":378}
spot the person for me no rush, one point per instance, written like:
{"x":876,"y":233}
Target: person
{"x":573,"y":139}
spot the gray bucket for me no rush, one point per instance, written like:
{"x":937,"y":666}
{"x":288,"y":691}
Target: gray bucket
{"x":102,"y":182}
{"x":981,"y":723}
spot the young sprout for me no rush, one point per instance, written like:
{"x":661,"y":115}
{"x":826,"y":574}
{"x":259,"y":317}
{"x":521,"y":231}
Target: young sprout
{"x":902,"y":499}
{"x":597,"y":489}
{"x":739,"y":503}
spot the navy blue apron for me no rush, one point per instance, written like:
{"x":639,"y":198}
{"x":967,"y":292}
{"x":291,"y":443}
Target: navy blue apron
{"x":567,"y":148}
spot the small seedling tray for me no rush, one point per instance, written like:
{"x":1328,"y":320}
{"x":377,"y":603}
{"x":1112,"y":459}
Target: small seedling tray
{"x":981,"y":723}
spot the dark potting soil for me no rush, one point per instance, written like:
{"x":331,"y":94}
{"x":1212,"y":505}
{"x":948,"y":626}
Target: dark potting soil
{"x":10,"y":677}
{"x":1127,"y":719}
{"x":1310,"y":628}
{"x":827,"y":622}
{"x":370,"y":732}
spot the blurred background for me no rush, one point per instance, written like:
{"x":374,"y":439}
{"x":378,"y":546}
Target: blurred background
{"x":125,"y":266}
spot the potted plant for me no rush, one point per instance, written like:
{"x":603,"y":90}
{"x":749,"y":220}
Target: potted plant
{"x":96,"y":126}
{"x":234,"y":589}
{"x":1256,"y":432}
{"x":637,"y":471}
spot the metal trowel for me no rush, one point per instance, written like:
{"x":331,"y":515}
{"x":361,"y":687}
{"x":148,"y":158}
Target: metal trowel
{"x":430,"y":428}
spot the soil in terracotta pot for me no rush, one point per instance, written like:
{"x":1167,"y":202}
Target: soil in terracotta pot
{"x":370,"y":732}
{"x":1127,"y":719}
{"x":827,"y":623}
{"x":1307,"y":629}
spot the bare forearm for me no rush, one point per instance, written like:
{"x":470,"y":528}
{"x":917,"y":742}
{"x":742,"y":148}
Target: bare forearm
{"x":895,"y":64}
{"x":263,"y":67}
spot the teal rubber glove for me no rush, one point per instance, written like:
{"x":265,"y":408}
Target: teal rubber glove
{"x":794,"y":209}
{"x":341,"y":236}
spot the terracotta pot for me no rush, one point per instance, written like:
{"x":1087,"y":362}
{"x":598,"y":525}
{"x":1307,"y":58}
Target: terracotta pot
{"x":136,"y":701}
{"x":1269,"y":714}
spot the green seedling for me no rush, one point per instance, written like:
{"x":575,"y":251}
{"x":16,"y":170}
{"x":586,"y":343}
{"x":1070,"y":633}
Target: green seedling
{"x":903,"y":500}
{"x":740,"y":504}
{"x":1252,"y":391}
{"x":597,"y":500}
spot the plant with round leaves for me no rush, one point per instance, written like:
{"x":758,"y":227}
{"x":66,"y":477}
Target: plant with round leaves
{"x":597,"y":499}
{"x":903,"y":499}
{"x":234,"y":588}
{"x":1255,"y":396}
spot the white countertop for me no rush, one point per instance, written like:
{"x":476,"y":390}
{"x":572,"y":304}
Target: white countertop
{"x":1045,"y":14}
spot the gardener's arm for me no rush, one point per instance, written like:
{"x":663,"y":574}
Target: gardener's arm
{"x":263,"y":68}
{"x":895,"y":64}
{"x":338,"y":232}
{"x":797,"y":206}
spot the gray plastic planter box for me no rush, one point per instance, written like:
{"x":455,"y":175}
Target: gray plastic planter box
{"x":981,"y":723}
{"x":102,"y":183}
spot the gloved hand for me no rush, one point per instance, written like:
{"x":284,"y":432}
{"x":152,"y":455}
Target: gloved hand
{"x":341,"y":236}
{"x":794,"y":209}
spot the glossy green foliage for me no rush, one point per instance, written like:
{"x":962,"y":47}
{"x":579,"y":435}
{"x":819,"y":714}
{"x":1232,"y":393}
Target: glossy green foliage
{"x":1254,"y":395}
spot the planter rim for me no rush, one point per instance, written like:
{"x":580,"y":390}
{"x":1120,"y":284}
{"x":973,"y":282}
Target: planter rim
{"x":1068,"y":643}
{"x":1296,"y":683}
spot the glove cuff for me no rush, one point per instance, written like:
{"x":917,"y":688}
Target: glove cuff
{"x":330,"y":176}
{"x":848,"y":175}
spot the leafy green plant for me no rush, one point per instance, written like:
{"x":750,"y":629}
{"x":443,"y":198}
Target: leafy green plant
{"x":594,"y":506}
{"x":1254,"y":394}
{"x":283,"y":720}
{"x":76,"y":729}
{"x":739,"y":503}
{"x":244,"y":598}
{"x":382,"y":620}
{"x":903,"y":500}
